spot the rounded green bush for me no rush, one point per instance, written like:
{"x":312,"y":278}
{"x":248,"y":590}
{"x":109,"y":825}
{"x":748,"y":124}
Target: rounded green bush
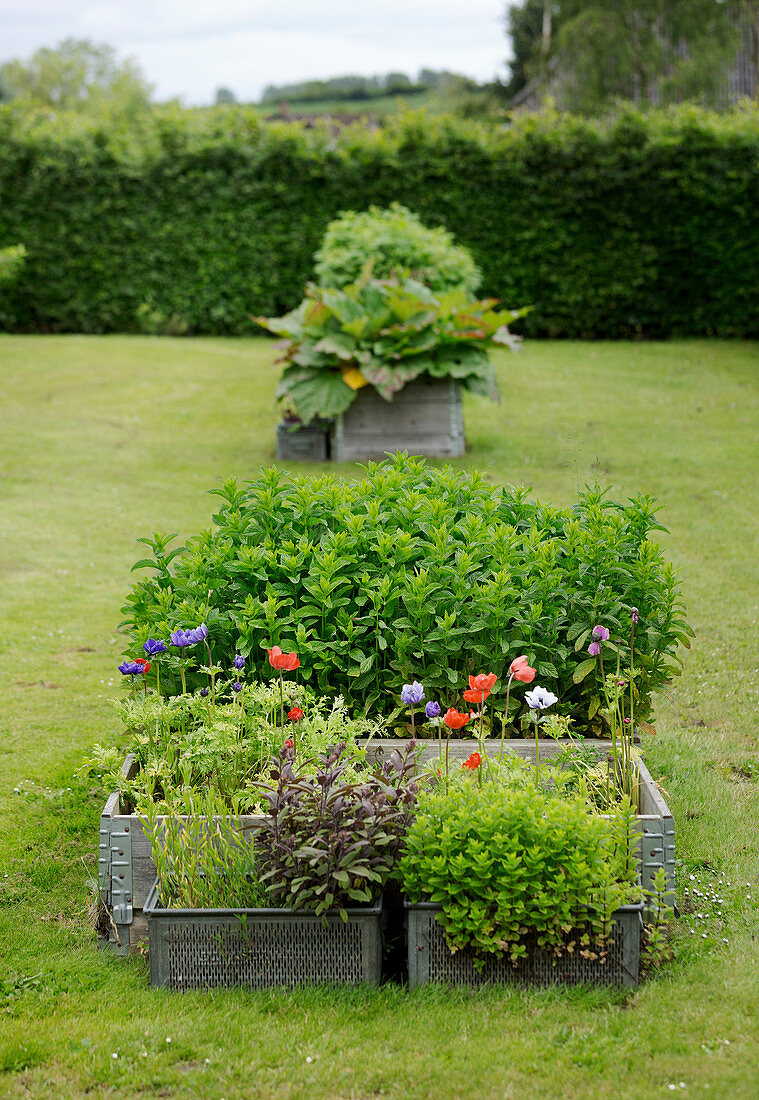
{"x":396,"y":241}
{"x":420,"y":573}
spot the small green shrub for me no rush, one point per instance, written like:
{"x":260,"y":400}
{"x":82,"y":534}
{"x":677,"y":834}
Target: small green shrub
{"x":397,"y":244}
{"x":415,"y":572}
{"x":385,"y":335}
{"x":508,"y":864}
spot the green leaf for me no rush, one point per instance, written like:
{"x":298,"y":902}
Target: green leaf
{"x":584,"y":669}
{"x":322,"y":393}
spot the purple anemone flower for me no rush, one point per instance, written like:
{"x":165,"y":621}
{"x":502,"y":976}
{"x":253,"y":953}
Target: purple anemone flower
{"x":181,"y":638}
{"x":239,"y":662}
{"x":154,"y":646}
{"x":594,"y":649}
{"x":204,"y":692}
{"x":634,"y":614}
{"x":411,"y":694}
{"x":600,"y":634}
{"x":432,"y":710}
{"x":130,"y":668}
{"x":236,"y":687}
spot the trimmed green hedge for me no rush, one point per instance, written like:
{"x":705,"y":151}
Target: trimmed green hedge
{"x":643,"y":224}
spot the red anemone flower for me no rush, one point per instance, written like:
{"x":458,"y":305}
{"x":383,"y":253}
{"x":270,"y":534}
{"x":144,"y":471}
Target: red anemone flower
{"x":295,"y":714}
{"x":521,"y":670}
{"x":473,"y":762}
{"x":483,"y":681}
{"x":289,"y":743}
{"x":144,"y":665}
{"x":475,"y":696}
{"x":454,"y":720}
{"x":287,"y":661}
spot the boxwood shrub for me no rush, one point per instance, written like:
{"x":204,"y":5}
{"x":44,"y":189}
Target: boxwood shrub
{"x":415,"y":572}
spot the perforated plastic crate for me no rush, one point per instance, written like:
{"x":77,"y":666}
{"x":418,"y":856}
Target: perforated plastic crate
{"x":431,"y":960}
{"x":191,"y":948}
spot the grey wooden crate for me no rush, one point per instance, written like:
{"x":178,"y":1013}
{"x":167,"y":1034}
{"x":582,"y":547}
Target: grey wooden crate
{"x":207,"y":948}
{"x":425,"y":418}
{"x":309,"y":443}
{"x":127,"y":872}
{"x":431,"y":960}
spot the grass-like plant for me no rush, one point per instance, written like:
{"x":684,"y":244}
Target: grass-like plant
{"x":419,"y":573}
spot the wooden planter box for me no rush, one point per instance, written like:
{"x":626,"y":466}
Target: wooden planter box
{"x":309,"y":443}
{"x":431,"y":960}
{"x":425,"y":418}
{"x":126,"y":871}
{"x":209,"y":948}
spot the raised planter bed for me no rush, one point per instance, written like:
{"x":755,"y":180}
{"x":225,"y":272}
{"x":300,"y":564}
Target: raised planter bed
{"x":431,"y":960}
{"x":307,"y":443}
{"x":425,"y":418}
{"x":126,"y":870}
{"x":206,"y":948}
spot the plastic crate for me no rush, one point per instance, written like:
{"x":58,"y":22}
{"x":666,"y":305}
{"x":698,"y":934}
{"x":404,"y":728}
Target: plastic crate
{"x":431,"y":960}
{"x":208,"y":948}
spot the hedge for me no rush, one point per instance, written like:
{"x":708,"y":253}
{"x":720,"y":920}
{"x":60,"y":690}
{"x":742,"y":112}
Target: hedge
{"x":642,"y":224}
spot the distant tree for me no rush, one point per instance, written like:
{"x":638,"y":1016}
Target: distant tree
{"x":77,"y":75}
{"x":224,"y":95}
{"x":531,"y":26}
{"x":397,"y":83}
{"x":647,"y":50}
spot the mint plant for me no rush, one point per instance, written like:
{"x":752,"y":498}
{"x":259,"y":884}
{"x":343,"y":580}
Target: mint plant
{"x":419,"y":573}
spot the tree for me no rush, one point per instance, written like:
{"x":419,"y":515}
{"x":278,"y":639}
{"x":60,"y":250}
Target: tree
{"x":77,"y":75}
{"x":224,"y":95}
{"x":646,"y":50}
{"x":531,"y":26}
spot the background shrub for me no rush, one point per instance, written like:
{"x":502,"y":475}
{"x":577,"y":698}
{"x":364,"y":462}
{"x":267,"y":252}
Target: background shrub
{"x":397,"y":242}
{"x":419,"y":573}
{"x":194,"y":220}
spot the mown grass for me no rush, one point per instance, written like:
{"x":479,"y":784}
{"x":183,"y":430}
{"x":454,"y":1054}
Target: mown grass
{"x":105,"y":439}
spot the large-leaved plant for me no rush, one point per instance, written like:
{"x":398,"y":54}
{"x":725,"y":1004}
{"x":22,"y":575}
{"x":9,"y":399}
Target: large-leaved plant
{"x":384,"y":334}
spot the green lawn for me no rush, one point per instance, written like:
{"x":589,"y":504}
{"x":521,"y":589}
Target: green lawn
{"x":103,"y":439}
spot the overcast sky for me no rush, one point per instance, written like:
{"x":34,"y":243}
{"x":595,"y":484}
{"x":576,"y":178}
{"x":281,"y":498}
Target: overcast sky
{"x":188,"y":48}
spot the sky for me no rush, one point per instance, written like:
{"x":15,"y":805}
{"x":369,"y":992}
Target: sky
{"x":189,"y":48}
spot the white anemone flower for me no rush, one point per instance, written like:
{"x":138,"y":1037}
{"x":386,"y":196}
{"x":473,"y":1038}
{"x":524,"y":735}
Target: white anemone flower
{"x":540,"y":698}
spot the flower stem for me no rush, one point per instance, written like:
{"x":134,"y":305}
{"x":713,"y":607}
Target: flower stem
{"x":506,"y":716}
{"x":282,"y":704}
{"x":537,"y":749}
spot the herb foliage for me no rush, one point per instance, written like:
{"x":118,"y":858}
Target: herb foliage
{"x":416,"y":572}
